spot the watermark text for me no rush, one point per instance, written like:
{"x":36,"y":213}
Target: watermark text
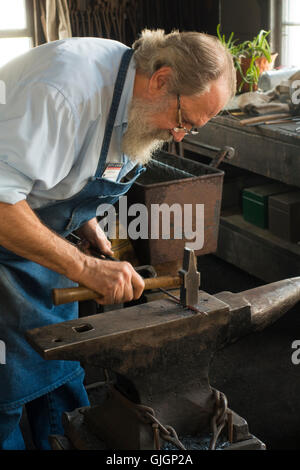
{"x":160,"y":221}
{"x":2,"y":352}
{"x":296,"y":354}
{"x":2,"y":92}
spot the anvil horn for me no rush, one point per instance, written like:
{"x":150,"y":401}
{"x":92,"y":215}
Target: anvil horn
{"x":267,"y":303}
{"x":270,"y":302}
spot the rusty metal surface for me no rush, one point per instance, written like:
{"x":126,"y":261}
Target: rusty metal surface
{"x":117,"y":335}
{"x":270,"y":302}
{"x":172,"y":180}
{"x":256,"y":309}
{"x":111,"y":420}
{"x":160,"y":351}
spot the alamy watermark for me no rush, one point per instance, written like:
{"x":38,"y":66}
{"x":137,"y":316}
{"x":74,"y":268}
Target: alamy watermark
{"x":2,"y":92}
{"x":2,"y":352}
{"x":296,"y":354}
{"x":161,"y":221}
{"x":295,"y":92}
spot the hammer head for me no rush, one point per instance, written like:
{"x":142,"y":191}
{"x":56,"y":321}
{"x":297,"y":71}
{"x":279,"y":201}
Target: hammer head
{"x":190,"y":279}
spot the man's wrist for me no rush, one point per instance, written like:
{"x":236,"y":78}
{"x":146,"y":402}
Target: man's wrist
{"x":74,"y":264}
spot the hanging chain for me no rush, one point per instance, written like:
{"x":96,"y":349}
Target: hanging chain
{"x":165,"y":432}
{"x":221,"y":416}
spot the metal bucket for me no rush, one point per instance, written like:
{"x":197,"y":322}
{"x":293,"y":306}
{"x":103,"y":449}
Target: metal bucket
{"x":171,"y":179}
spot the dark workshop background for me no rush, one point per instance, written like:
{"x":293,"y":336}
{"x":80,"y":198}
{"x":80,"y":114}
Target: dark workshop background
{"x":88,"y":19}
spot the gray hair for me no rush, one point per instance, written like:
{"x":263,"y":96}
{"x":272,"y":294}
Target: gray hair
{"x":197,"y":59}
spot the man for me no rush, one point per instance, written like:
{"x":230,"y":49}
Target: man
{"x":72,"y":108}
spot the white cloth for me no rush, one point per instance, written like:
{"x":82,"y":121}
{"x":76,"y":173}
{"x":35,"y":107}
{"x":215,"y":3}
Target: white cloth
{"x":58,"y":96}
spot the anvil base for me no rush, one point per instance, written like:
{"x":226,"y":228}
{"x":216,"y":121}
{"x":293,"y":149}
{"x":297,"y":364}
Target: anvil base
{"x":114,"y":425}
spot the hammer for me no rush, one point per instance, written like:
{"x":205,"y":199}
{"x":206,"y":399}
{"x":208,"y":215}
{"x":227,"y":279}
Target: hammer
{"x":188,"y":279}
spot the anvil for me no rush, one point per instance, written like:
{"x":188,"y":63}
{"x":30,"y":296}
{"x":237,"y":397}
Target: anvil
{"x":161,"y":353}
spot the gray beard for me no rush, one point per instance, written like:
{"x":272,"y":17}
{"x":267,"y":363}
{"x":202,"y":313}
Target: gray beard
{"x":142,"y":138}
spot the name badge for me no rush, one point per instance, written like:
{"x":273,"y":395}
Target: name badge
{"x":112,"y":171}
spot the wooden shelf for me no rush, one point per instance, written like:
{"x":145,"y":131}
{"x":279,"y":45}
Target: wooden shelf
{"x":255,"y":250}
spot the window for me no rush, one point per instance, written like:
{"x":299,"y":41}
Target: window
{"x":15,"y":29}
{"x":285,"y":25}
{"x":290,"y":33}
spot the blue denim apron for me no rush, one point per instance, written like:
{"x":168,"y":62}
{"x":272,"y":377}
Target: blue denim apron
{"x":25,"y":286}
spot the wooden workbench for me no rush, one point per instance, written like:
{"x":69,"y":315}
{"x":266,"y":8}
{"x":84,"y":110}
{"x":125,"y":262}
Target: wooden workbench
{"x":269,"y":150}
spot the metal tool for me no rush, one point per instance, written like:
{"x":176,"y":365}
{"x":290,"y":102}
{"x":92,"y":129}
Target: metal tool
{"x":261,"y":119}
{"x":277,"y":121}
{"x":177,"y":300}
{"x":188,"y":280}
{"x":225,"y":153}
{"x":288,"y":119}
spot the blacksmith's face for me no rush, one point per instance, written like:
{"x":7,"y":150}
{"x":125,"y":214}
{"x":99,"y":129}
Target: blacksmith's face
{"x":151,"y":124}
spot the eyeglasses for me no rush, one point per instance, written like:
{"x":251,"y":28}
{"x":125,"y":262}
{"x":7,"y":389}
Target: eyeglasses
{"x":180,"y":127}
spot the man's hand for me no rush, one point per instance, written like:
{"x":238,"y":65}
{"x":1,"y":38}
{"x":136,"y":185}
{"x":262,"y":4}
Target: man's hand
{"x":92,"y":233}
{"x":116,"y":282}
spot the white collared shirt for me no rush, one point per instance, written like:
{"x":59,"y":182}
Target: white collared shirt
{"x":58,"y":96}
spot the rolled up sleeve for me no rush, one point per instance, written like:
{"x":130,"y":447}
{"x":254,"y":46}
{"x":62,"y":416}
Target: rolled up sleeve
{"x":37,"y":141}
{"x":14,"y":186}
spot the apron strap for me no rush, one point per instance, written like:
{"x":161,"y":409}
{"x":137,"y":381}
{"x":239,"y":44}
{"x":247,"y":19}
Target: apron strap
{"x":114,"y":109}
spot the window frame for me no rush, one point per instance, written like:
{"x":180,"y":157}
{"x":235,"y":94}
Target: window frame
{"x":276,"y":25}
{"x":20,"y":33}
{"x":276,"y":28}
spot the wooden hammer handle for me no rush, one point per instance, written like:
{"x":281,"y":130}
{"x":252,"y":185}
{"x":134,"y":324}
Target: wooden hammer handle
{"x":78,"y":294}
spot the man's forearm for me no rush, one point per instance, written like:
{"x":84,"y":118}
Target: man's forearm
{"x":23,"y":233}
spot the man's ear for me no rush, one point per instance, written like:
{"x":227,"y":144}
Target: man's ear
{"x":159,"y":80}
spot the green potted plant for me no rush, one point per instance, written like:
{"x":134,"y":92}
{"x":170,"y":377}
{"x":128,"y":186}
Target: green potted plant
{"x":251,"y":58}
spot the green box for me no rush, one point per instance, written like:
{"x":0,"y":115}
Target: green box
{"x":255,"y":202}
